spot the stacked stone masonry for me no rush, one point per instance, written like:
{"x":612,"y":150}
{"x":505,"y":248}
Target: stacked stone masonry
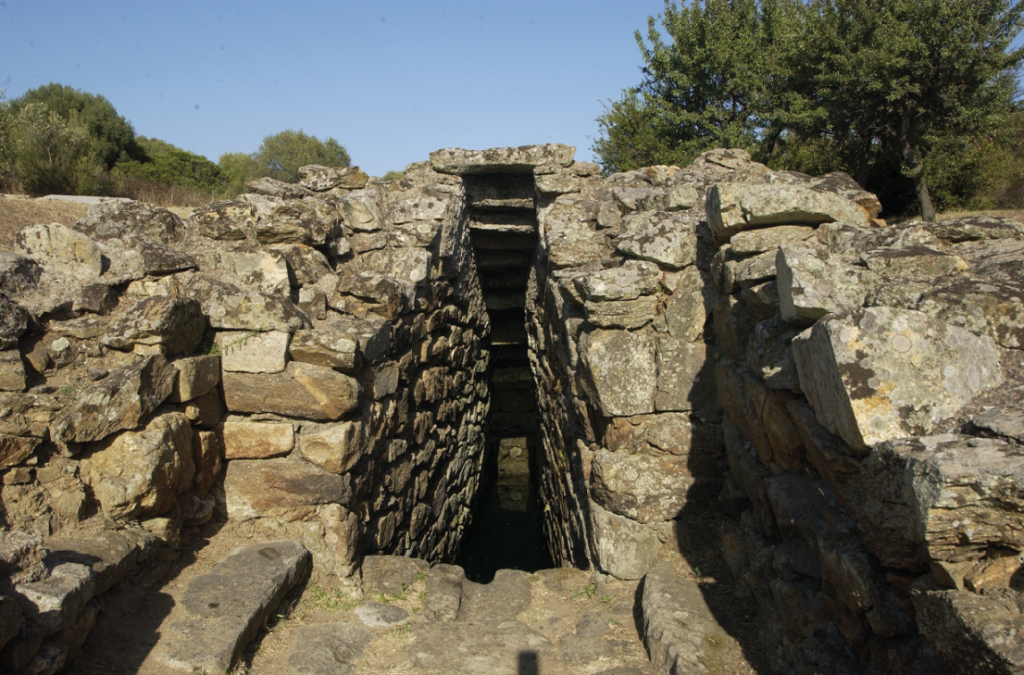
{"x":317,"y":359}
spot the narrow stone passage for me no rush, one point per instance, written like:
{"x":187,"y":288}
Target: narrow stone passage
{"x":506,"y":532}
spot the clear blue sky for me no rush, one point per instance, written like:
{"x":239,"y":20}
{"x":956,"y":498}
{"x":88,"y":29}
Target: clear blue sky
{"x":392,"y":81}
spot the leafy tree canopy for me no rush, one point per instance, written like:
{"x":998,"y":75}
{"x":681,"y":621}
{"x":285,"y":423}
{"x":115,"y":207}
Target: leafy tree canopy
{"x":113,"y":136}
{"x":170,"y":165}
{"x":879,"y":88}
{"x":51,"y":151}
{"x":280,"y":155}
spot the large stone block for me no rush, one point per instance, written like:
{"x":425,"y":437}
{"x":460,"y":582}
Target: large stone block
{"x":141,"y":473}
{"x":940,"y":498}
{"x":229,"y":308}
{"x":12,"y":371}
{"x":176,"y":324}
{"x":625,"y":548}
{"x":247,"y":439}
{"x":677,"y":434}
{"x":327,"y":347}
{"x":335,"y":448}
{"x":522,"y":159}
{"x":734,"y":207}
{"x":644,"y":488}
{"x":302,"y":390}
{"x":323,"y":178}
{"x":813,"y":283}
{"x":877,"y":374}
{"x":629,"y":281}
{"x":62,"y":249}
{"x":621,"y":369}
{"x":272,"y":488}
{"x":670,"y":241}
{"x":251,"y":352}
{"x":122,"y":400}
{"x":686,"y":377}
{"x":197,"y":376}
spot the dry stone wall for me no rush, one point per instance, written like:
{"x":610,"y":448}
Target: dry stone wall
{"x":317,"y":361}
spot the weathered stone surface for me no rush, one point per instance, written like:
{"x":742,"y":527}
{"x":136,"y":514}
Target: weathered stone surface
{"x":501,"y":600}
{"x":466,"y":648}
{"x":916,"y":262}
{"x":229,"y":308}
{"x":623,"y":371}
{"x":769,"y":354}
{"x":335,"y":448}
{"x":323,"y":649}
{"x":12,"y":371}
{"x":568,"y":239}
{"x":249,"y":352}
{"x":522,"y":159}
{"x":266,"y":487}
{"x":16,"y":449}
{"x":62,"y":249}
{"x":996,"y":310}
{"x":196,"y":376}
{"x":308,"y":221}
{"x":302,"y":390}
{"x":977,"y":228}
{"x":671,"y":242}
{"x":110,"y":219}
{"x":175,"y":323}
{"x":224,"y":220}
{"x":627,"y":314}
{"x":679,"y":627}
{"x":13,"y":322}
{"x":812,"y":284}
{"x":141,"y":473}
{"x":444,"y":592}
{"x":735,"y":322}
{"x":55,"y":601}
{"x":687,"y":310}
{"x":974,"y":633}
{"x":207,"y":454}
{"x":277,"y":188}
{"x":644,"y":488}
{"x":219,"y":613}
{"x":625,"y":548}
{"x":877,"y":374}
{"x":686,"y":379}
{"x":324,"y":178}
{"x":734,"y":207}
{"x":122,"y":400}
{"x":627,"y":282}
{"x":674,"y":433}
{"x":266,"y":271}
{"x":246,"y":439}
{"x":751,"y":242}
{"x":328,"y":347}
{"x":940,"y":498}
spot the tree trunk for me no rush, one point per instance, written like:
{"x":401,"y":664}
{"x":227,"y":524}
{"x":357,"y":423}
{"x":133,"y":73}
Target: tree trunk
{"x":916,"y":168}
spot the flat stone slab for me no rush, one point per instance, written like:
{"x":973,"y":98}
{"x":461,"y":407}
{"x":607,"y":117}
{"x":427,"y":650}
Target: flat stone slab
{"x":219,"y":613}
{"x":496,"y":649}
{"x":677,"y":621}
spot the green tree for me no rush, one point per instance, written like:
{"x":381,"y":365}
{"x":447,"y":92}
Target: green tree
{"x":167,"y":164}
{"x":280,"y":155}
{"x":721,"y":81}
{"x":52,"y":152}
{"x":902,"y":75}
{"x":6,"y":139}
{"x":237,"y":169}
{"x":113,"y":136}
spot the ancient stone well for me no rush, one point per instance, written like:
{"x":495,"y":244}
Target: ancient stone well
{"x":339,"y":362}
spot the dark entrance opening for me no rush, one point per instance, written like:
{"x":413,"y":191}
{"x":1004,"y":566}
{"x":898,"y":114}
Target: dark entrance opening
{"x":507,"y":528}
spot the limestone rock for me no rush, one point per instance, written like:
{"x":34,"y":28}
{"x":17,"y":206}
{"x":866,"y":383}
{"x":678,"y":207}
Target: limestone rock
{"x":247,"y":352}
{"x":176,"y":324}
{"x":625,"y":548}
{"x":444,"y":592}
{"x":466,"y":648}
{"x":323,"y":649}
{"x":665,"y":238}
{"x":220,"y":612}
{"x":266,"y":271}
{"x":16,"y":449}
{"x":644,"y":488}
{"x":305,"y":264}
{"x":323,"y":178}
{"x":111,"y":219}
{"x":679,"y":627}
{"x":229,"y":308}
{"x":258,"y":488}
{"x":570,"y":240}
{"x":734,"y":207}
{"x":224,"y":220}
{"x":769,"y":354}
{"x":939,"y":498}
{"x":337,"y":447}
{"x":13,"y":322}
{"x":752,"y":242}
{"x":996,"y":310}
{"x":326,"y":347}
{"x":302,"y":390}
{"x":877,"y":374}
{"x":141,"y":473}
{"x":688,"y":309}
{"x":916,"y":262}
{"x":247,"y":439}
{"x":977,"y":228}
{"x":53,"y":602}
{"x":627,"y":314}
{"x":522,"y":159}
{"x":308,"y":221}
{"x":196,"y":376}
{"x":207,"y":454}
{"x":627,"y":282}
{"x":277,"y":188}
{"x":812,"y":284}
{"x":61,"y":248}
{"x":12,"y":371}
{"x":623,"y":371}
{"x":686,"y":378}
{"x":122,"y":400}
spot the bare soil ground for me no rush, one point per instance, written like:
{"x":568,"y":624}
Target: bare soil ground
{"x":18,"y":211}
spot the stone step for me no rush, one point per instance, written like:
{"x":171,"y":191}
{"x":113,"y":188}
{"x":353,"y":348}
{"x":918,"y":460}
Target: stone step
{"x":508,"y":327}
{"x":512,"y":221}
{"x":219,"y":613}
{"x":490,"y":240}
{"x":497,"y":260}
{"x":512,"y":189}
{"x":501,"y":204}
